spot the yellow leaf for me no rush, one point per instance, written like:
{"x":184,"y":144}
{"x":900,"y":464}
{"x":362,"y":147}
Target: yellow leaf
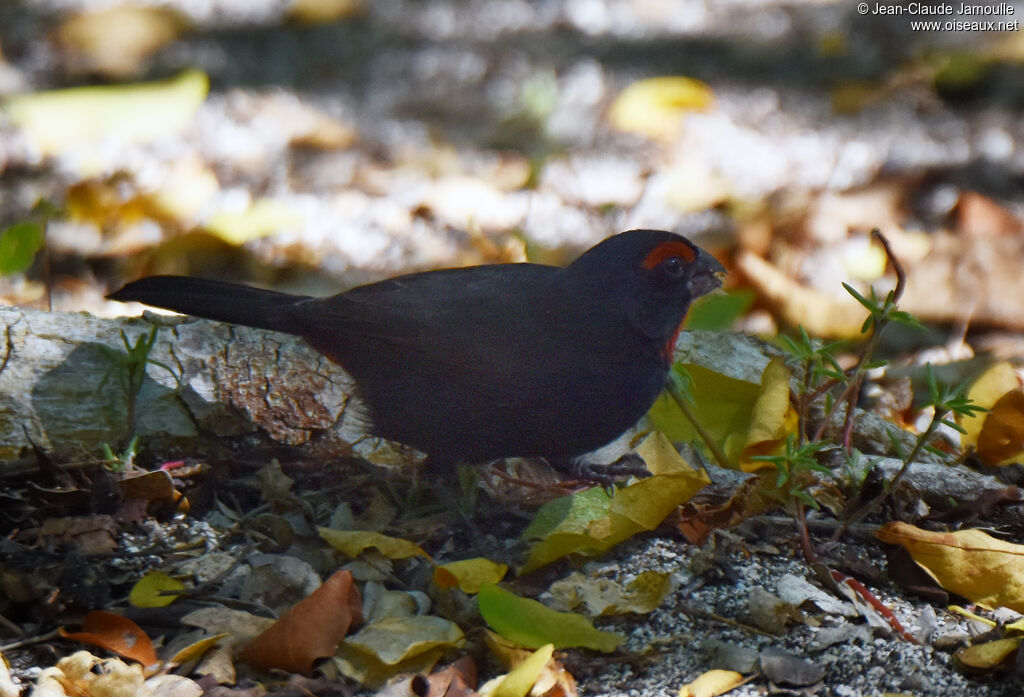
{"x":355,"y":542}
{"x":1001,"y":441}
{"x":712,"y":683}
{"x":723,"y":404}
{"x":985,"y":392}
{"x":988,"y":655}
{"x":196,"y":649}
{"x":469,"y":574}
{"x":590,"y":522}
{"x":62,"y":119}
{"x":264,"y":217}
{"x":152,"y":590}
{"x":971,"y":563}
{"x":772,"y":419}
{"x":519,"y":681}
{"x":396,"y":645}
{"x":654,"y":107}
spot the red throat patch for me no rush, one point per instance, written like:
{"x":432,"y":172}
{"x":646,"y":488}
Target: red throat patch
{"x":667,"y":250}
{"x":669,"y":349}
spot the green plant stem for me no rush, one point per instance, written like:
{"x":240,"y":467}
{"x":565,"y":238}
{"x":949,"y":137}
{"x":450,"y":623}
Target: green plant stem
{"x":876,"y":502}
{"x":716,"y":450}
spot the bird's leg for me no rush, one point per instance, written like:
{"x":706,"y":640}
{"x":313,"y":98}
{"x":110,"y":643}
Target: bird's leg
{"x":628,"y":465}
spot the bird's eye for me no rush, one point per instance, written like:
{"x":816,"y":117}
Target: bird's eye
{"x":673,"y":267}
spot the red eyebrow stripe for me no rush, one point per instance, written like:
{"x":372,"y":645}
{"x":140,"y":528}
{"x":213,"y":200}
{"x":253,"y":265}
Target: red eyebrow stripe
{"x":666,"y":250}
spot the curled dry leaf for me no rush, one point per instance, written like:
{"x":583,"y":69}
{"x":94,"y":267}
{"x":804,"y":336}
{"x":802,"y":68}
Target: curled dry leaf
{"x":310,"y":630}
{"x":115,"y":633}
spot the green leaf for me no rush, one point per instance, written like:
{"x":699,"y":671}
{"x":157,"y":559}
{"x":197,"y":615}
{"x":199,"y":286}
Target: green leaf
{"x":591,"y":522}
{"x":18,"y":246}
{"x":723,"y":404}
{"x":529,"y":623}
{"x":717,"y":311}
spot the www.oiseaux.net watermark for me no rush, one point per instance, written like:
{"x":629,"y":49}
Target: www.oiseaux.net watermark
{"x":959,"y":16}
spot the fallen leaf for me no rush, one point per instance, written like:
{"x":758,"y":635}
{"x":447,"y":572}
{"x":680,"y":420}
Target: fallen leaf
{"x":118,"y":634}
{"x":985,"y":391}
{"x":152,"y":590}
{"x":989,"y":655}
{"x":117,"y":41}
{"x":773,"y":418}
{"x":554,"y":680}
{"x":355,"y":542}
{"x":591,"y":522}
{"x":310,"y":630}
{"x":711,"y":684}
{"x":603,"y":596}
{"x":18,"y":246}
{"x":820,"y":313}
{"x":521,"y":679}
{"x":62,"y":119}
{"x":396,"y":645}
{"x":1001,"y":440}
{"x":971,"y":563}
{"x":262,"y":217}
{"x":469,"y":574}
{"x":7,"y":686}
{"x":531,"y":624}
{"x":655,"y":107}
{"x":457,"y":679}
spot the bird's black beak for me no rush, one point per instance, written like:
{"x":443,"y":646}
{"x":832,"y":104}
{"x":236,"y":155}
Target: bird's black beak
{"x":708,"y":274}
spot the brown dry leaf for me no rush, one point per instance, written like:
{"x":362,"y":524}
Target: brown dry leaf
{"x":94,"y":534}
{"x":971,"y":563}
{"x":457,"y":679}
{"x":604,"y":596}
{"x":115,"y":633}
{"x":150,"y":486}
{"x":118,"y":41}
{"x":821,"y":314}
{"x":697,"y":521}
{"x":980,"y":216}
{"x":310,"y":630}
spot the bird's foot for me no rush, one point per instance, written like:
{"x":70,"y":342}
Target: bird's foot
{"x":628,"y":465}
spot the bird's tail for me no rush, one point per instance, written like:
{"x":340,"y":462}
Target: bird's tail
{"x":216,"y":300}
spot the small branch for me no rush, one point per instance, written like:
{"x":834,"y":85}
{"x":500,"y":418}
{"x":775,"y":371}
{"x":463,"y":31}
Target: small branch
{"x":716,"y":450}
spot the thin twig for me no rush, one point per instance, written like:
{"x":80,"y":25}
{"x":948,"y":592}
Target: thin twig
{"x":716,"y":450}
